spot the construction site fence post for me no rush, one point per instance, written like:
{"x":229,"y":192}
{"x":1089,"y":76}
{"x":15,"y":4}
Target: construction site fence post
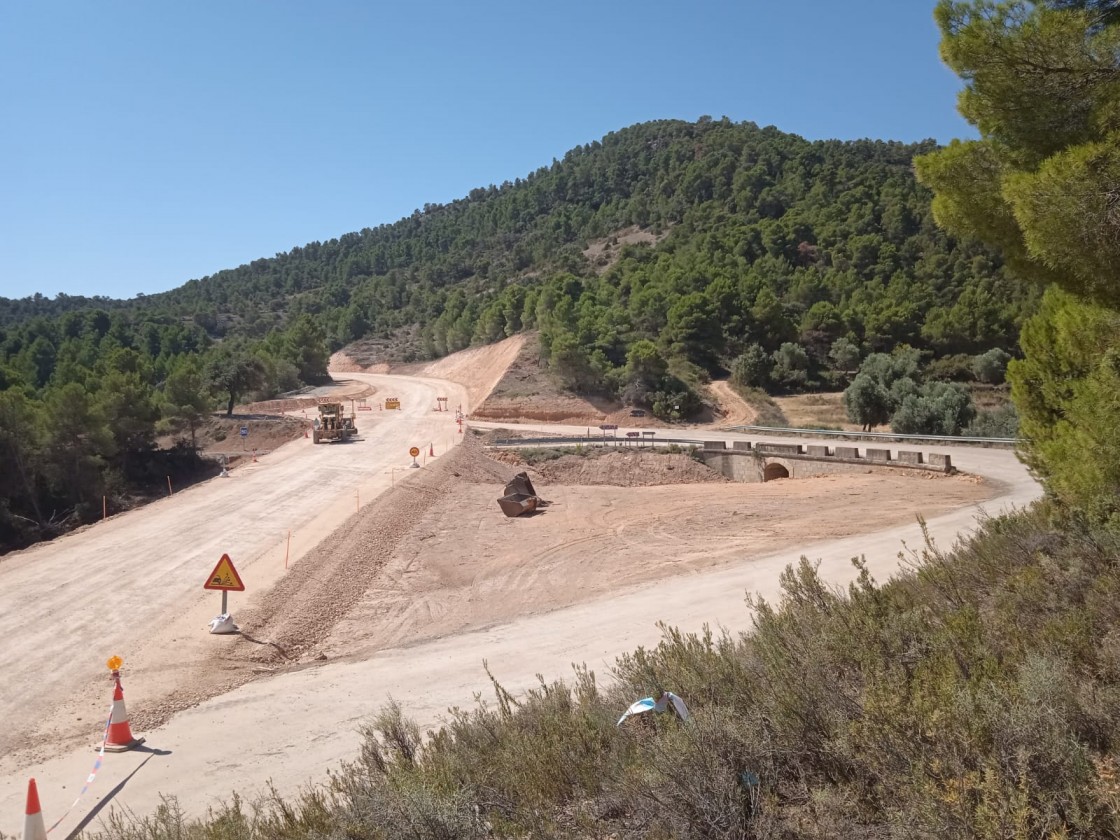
{"x":104,"y":508}
{"x":169,"y":485}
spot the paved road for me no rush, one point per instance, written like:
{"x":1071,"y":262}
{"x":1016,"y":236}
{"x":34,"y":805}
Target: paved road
{"x":293,"y":727}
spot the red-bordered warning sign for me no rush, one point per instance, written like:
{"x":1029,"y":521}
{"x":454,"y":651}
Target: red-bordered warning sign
{"x":224,"y":576}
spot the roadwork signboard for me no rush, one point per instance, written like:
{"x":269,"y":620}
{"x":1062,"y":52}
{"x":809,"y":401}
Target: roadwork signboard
{"x":224,"y":577}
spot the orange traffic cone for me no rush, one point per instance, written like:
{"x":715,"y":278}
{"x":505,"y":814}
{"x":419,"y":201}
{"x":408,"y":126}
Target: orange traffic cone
{"x":431,"y":450}
{"x":120,"y":736}
{"x":33,"y":826}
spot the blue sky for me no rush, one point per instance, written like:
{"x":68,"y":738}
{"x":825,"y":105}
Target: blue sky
{"x":146,"y":144}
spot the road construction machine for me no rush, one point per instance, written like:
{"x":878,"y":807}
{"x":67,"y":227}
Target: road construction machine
{"x":332,"y":424}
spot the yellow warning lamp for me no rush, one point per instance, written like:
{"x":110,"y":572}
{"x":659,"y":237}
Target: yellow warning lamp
{"x":115,"y":663}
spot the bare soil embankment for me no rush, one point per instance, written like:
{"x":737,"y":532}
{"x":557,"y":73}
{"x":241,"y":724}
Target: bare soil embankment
{"x":611,"y":467}
{"x":529,"y":392}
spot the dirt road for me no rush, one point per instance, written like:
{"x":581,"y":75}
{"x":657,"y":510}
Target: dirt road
{"x":736,"y":410}
{"x":138,"y":598}
{"x":132,"y":584}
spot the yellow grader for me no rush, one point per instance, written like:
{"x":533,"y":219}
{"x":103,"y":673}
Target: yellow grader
{"x":332,"y":424}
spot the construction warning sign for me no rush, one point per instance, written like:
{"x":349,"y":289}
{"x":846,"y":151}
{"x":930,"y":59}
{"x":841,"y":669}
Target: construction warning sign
{"x":225,"y":577}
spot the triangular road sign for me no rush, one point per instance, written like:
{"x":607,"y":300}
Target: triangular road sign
{"x":224,"y":576}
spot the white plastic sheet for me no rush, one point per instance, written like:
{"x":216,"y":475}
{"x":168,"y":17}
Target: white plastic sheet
{"x":663,"y":703}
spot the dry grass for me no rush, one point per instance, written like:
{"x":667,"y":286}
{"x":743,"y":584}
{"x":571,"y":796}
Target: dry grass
{"x":817,"y":411}
{"x":990,"y":397}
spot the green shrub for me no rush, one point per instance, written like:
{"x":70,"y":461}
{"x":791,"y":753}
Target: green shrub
{"x":540,"y":455}
{"x":991,"y":367}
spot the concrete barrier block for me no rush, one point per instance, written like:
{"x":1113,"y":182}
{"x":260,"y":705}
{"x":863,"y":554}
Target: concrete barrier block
{"x":818,"y":451}
{"x":878,"y":454}
{"x":907,"y":457}
{"x":780,"y":448}
{"x":715,"y":444}
{"x":943,"y":461}
{"x":846,"y":452}
{"x":742,"y":445}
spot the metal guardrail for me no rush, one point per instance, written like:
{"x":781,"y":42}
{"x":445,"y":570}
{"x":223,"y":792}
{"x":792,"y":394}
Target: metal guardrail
{"x":785,"y":430}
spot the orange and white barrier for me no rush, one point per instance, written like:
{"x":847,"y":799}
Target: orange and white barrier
{"x":33,"y":826}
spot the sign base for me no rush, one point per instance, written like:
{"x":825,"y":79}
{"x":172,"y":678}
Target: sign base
{"x":223,"y":625}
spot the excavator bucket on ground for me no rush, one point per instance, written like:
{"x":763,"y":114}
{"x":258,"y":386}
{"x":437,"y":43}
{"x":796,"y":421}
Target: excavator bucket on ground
{"x":520,"y":483}
{"x":520,"y":497}
{"x":515,"y":504}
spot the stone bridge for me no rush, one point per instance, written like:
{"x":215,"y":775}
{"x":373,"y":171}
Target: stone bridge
{"x":748,"y":462}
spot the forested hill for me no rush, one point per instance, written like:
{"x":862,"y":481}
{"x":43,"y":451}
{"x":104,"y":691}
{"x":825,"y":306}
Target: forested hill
{"x":816,"y":239}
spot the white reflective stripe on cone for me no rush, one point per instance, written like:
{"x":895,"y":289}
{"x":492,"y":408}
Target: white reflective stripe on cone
{"x":120,"y":714}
